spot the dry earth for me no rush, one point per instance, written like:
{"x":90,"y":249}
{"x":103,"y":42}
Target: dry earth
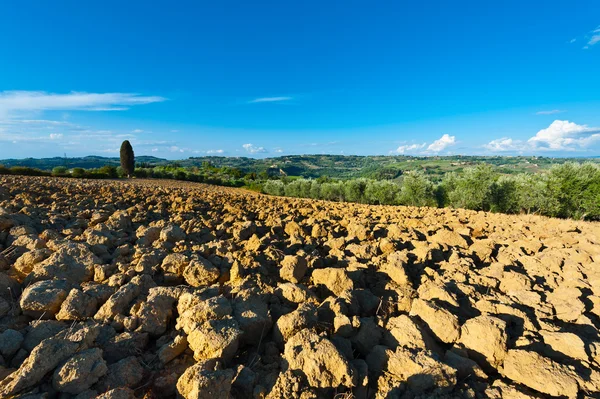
{"x":158,"y":289}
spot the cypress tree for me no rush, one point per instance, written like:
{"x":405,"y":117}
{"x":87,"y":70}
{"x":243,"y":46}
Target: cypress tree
{"x":127,"y":158}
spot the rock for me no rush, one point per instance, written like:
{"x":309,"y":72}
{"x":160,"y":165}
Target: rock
{"x":336,"y":280}
{"x":464,"y":366}
{"x":442,"y":323}
{"x":77,"y":306}
{"x":175,"y":263}
{"x":215,"y":339}
{"x":45,"y":357}
{"x":70,"y":261}
{"x":421,"y":371}
{"x":321,"y":362}
{"x":253,"y":318}
{"x":369,"y":334}
{"x":403,"y":331}
{"x":290,"y":324}
{"x":449,"y":238}
{"x":80,"y":372}
{"x":25,"y":263}
{"x":566,"y":343}
{"x":294,"y":293}
{"x":124,"y":345}
{"x":170,"y":351}
{"x":147,"y":235}
{"x":197,"y":383}
{"x":172,"y":234}
{"x":39,"y":330}
{"x":118,"y":393}
{"x":44,"y":298}
{"x":567,"y":304}
{"x":200,"y":272}
{"x":395,"y":268}
{"x":485,"y":339}
{"x":125,"y":373}
{"x":293,"y":268}
{"x":539,"y":373}
{"x":10,"y":342}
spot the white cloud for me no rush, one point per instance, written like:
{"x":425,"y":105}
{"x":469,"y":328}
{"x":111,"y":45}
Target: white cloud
{"x":504,"y":144}
{"x":19,"y":101}
{"x":551,"y":112}
{"x":442,"y":143}
{"x":403,"y":149}
{"x":174,"y":148}
{"x":564,"y":135}
{"x":137,"y":131}
{"x":252,"y":149}
{"x":154,"y":150}
{"x":269,"y":100}
{"x":55,"y":136}
{"x":593,"y":39}
{"x":278,"y":150}
{"x":215,"y":151}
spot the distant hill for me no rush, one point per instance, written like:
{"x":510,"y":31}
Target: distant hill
{"x":337,"y":166}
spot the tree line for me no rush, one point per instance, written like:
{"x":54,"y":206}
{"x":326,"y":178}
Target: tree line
{"x":569,"y":190}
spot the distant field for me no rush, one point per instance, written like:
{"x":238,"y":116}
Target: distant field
{"x":336,"y":166}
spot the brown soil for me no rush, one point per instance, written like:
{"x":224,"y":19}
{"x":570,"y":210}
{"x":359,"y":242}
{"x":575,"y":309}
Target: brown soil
{"x":158,"y":289}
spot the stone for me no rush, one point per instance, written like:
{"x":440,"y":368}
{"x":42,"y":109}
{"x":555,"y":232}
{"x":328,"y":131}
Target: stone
{"x":421,"y":371}
{"x":80,"y":372}
{"x":442,"y":323}
{"x":197,"y":383}
{"x":215,"y":339}
{"x":77,"y":306}
{"x":336,"y":280}
{"x":293,"y":268}
{"x":290,"y":324}
{"x":44,"y":298}
{"x":539,"y":373}
{"x":172,"y":234}
{"x":321,"y":362}
{"x":10,"y":342}
{"x":200,"y":272}
{"x":485,"y":340}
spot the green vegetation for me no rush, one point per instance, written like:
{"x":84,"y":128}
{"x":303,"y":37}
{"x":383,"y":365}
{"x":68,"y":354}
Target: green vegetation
{"x":127,"y":158}
{"x":569,"y":190}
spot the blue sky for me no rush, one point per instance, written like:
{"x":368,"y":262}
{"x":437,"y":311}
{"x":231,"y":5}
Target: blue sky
{"x":268,"y":78}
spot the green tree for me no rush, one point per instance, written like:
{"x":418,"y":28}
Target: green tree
{"x":60,"y":171}
{"x":78,"y":172}
{"x":471,"y":189}
{"x":127,"y":158}
{"x":417,"y":190}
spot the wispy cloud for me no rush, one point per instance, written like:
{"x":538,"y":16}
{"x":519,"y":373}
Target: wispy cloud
{"x":269,"y":100}
{"x":215,"y":152}
{"x":408,"y":148}
{"x":23,"y":101}
{"x":137,"y":131}
{"x":592,"y":38}
{"x":551,"y":112}
{"x":442,"y":143}
{"x":504,"y":144}
{"x":56,"y":136}
{"x":252,"y":149}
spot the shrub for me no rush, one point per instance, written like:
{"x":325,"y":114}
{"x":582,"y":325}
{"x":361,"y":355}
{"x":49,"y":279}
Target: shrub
{"x":274,"y":187}
{"x":109,"y":170}
{"x":78,"y":172}
{"x":471,"y":189}
{"x":417,"y":190}
{"x":382,"y":192}
{"x":354,"y":190}
{"x":60,"y":171}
